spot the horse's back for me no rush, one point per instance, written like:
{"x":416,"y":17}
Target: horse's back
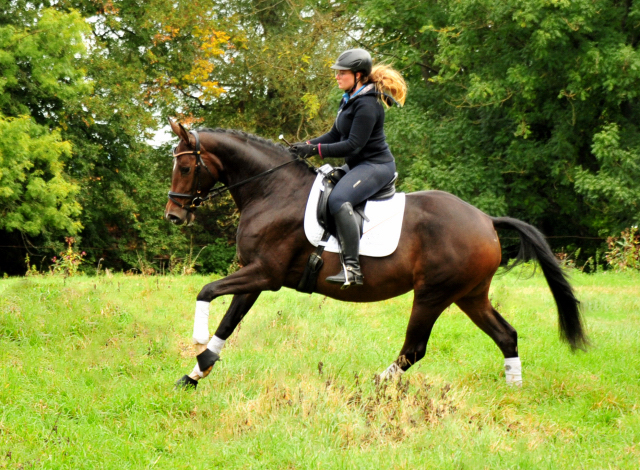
{"x":441,"y":211}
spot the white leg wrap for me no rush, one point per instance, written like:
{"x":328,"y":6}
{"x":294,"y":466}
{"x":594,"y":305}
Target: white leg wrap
{"x":201,"y":323}
{"x":196,"y":370}
{"x":513,"y":371}
{"x":392,"y":372}
{"x":216,"y":344}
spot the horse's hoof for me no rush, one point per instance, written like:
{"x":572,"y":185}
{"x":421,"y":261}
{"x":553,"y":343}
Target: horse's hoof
{"x":186,"y":383}
{"x":206,"y":359}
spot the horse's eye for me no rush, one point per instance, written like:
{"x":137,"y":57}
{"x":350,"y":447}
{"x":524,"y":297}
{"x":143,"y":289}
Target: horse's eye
{"x":185,"y":170}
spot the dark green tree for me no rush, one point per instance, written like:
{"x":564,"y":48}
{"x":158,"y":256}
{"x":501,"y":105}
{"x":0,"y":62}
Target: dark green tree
{"x":523,"y":108}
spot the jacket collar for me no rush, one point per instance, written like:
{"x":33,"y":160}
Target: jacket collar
{"x":369,"y":89}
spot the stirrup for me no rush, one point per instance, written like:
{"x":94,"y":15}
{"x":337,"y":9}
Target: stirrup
{"x":347,"y":277}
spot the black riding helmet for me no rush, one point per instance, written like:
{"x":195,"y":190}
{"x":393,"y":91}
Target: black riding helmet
{"x":356,"y":60}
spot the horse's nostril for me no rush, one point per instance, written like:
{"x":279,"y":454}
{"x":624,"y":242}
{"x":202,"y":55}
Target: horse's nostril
{"x":173,"y":218}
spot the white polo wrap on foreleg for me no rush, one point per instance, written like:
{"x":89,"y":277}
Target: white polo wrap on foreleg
{"x":513,"y":370}
{"x":201,"y":323}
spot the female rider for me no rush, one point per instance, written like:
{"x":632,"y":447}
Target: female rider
{"x":357,"y":136}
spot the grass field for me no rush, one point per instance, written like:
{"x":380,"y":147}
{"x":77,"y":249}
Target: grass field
{"x":88,"y":366}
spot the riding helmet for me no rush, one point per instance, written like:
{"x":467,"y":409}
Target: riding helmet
{"x":356,"y":60}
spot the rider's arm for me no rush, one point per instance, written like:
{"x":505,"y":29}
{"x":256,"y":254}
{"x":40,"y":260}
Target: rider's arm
{"x":332,"y":136}
{"x":364,"y":119}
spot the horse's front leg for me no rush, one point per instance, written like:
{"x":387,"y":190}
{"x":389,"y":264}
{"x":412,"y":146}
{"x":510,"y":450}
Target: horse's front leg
{"x":208,"y":353}
{"x":246,"y":284}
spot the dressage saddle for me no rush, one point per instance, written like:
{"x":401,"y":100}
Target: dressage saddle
{"x":331,"y":178}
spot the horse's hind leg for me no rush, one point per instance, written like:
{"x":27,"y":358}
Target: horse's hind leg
{"x":479,"y":309}
{"x":424,"y":313}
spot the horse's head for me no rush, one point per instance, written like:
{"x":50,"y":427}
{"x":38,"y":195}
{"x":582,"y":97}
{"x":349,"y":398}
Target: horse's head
{"x":194,"y":174}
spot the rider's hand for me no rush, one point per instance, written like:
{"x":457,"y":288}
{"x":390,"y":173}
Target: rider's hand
{"x":304,"y":150}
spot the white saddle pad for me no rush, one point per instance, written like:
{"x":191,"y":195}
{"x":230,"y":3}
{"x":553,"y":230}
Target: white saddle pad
{"x":381,"y":232}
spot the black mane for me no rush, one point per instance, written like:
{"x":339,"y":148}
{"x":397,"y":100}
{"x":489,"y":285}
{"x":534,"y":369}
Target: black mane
{"x":247,"y":136}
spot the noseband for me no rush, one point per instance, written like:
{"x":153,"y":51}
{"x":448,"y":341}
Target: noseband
{"x":193,"y":200}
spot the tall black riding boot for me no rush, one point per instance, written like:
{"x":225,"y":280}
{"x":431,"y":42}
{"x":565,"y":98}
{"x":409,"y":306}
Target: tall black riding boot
{"x":349,"y":237}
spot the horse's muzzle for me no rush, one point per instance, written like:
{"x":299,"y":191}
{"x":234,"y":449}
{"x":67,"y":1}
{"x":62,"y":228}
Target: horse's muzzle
{"x":178,"y":216}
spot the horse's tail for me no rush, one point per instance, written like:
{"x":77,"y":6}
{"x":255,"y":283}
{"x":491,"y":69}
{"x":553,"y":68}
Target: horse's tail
{"x":534,"y":246}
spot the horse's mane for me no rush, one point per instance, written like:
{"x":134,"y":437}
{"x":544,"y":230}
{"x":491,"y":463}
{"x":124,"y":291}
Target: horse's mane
{"x":250,"y":137}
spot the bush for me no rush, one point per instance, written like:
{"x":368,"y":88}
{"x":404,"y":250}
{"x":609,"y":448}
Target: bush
{"x":624,"y":251}
{"x":217,"y":257}
{"x":69,"y":261}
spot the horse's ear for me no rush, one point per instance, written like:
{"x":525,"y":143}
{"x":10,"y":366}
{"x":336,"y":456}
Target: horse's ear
{"x":181,"y":132}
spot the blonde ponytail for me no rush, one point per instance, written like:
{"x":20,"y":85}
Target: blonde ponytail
{"x":388,"y":80}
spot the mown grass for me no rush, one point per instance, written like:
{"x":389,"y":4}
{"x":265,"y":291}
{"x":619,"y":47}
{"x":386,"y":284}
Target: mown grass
{"x":88,"y":366}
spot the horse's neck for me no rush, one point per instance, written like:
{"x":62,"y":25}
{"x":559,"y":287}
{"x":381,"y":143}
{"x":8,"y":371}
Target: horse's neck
{"x":243,"y":161}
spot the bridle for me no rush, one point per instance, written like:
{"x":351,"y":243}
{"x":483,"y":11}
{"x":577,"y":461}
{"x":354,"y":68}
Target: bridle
{"x":196,"y":200}
{"x":193,"y":200}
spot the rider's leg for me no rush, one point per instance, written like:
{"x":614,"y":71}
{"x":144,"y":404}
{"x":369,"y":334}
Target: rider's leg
{"x":360,"y":183}
{"x":349,"y":237}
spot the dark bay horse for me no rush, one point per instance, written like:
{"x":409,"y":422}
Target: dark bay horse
{"x":448,"y":250}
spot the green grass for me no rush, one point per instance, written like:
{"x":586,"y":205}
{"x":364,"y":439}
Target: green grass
{"x":88,"y":367}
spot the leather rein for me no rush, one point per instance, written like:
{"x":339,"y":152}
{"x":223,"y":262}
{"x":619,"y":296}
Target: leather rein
{"x":196,"y":200}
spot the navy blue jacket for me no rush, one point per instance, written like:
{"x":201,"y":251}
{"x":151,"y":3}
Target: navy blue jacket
{"x":357,"y":134}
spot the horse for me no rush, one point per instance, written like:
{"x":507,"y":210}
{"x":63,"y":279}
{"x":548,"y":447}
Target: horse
{"x":448,"y":251}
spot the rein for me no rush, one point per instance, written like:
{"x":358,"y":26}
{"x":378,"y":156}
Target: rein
{"x":195,"y":200}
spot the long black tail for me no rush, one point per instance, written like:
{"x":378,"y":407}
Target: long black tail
{"x":534,"y":246}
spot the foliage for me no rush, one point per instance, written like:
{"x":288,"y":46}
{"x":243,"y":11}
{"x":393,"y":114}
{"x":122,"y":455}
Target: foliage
{"x":32,"y":269}
{"x":41,"y":52}
{"x":613,"y":187}
{"x":141,"y":58}
{"x":35,"y":194}
{"x":89,"y":362}
{"x":69,"y":261}
{"x":527,"y":109}
{"x":217,"y":257}
{"x":274,"y":70}
{"x":523,"y":108}
{"x":38,"y":71}
{"x":624,"y":251}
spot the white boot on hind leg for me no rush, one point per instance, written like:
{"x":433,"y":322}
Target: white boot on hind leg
{"x":393,"y":372}
{"x":513,"y":371}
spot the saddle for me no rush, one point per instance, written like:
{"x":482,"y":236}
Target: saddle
{"x":331,"y":178}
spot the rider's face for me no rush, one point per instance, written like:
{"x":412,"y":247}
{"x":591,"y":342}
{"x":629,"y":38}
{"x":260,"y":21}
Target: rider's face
{"x":346,"y":79}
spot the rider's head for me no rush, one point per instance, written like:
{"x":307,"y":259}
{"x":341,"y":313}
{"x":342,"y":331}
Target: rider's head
{"x":353,"y":67}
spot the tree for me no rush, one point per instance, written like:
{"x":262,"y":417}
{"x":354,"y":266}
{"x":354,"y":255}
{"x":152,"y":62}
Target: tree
{"x":274,"y":72}
{"x":522,"y":108}
{"x":38,"y":74}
